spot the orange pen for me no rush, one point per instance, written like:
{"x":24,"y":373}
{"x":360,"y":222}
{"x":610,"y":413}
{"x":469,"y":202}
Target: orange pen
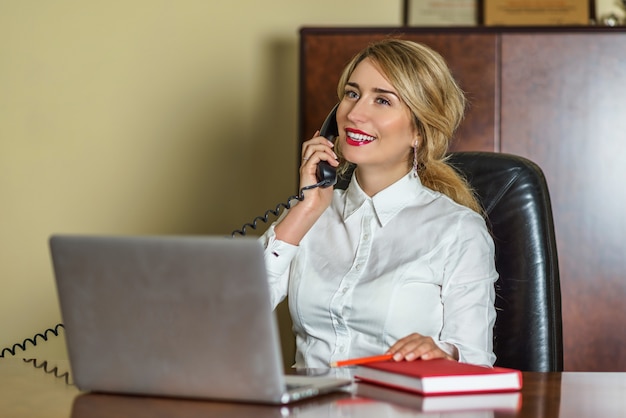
{"x":361,"y":360}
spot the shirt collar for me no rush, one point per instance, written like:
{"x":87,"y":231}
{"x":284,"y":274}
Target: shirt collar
{"x":386,"y":203}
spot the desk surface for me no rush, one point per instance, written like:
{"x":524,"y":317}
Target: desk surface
{"x":28,"y":391}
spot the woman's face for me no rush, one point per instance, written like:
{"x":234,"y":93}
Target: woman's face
{"x":376,"y":128}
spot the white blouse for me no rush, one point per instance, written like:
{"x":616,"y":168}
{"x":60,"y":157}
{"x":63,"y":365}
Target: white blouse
{"x":374,"y":270}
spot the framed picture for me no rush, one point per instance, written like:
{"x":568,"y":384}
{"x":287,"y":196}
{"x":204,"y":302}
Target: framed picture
{"x":536,"y":12}
{"x":441,"y":12}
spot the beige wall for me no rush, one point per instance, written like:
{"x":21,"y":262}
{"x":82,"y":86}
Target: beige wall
{"x":141,"y":116}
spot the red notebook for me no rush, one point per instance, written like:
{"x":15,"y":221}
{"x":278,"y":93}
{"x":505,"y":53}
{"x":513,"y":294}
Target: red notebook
{"x":439,"y":376}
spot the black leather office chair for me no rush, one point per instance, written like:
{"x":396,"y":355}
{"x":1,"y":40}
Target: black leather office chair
{"x":513,"y":191}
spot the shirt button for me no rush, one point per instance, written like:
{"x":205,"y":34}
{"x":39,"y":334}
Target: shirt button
{"x":341,"y":348}
{"x":344,"y":290}
{"x":357,"y":267}
{"x":366,"y":237}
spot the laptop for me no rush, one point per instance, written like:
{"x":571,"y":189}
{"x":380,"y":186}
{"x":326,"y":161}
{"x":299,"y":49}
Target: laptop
{"x":176,"y":316}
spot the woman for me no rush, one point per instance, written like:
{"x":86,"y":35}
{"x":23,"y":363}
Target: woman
{"x":400,"y":262}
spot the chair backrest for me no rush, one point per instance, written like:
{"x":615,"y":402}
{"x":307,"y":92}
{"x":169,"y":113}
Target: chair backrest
{"x":514,"y":193}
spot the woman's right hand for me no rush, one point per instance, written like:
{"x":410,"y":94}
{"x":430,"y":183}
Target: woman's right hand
{"x":303,"y":216}
{"x":314,"y":151}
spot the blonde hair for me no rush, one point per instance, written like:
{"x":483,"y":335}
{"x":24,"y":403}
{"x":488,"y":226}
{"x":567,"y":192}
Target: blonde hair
{"x":424,"y":83}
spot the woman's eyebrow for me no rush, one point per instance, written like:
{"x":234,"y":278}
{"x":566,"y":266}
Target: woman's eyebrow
{"x":379,"y":90}
{"x":375,"y":89}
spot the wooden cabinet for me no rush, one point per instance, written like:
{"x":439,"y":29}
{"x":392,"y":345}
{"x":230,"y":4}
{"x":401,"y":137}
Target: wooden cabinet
{"x":556,"y":96}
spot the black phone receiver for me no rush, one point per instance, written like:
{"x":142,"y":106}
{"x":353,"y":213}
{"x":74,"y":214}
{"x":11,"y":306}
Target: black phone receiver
{"x":327,"y":174}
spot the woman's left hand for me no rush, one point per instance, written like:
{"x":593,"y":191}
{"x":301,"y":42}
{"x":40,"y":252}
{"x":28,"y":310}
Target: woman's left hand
{"x":416,"y":346}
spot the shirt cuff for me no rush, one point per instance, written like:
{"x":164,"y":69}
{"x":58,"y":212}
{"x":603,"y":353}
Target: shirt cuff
{"x":278,"y":254}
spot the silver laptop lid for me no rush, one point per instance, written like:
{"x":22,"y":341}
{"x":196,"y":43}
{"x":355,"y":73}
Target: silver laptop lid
{"x":172,"y":316}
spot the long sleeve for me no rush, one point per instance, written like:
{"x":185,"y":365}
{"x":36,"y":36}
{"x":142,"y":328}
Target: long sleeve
{"x":468,"y":293}
{"x":278,"y":257}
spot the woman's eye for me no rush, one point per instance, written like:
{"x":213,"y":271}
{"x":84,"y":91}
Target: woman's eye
{"x":383,"y":101}
{"x":351,"y":94}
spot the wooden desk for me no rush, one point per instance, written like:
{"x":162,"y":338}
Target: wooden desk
{"x":29,"y":392}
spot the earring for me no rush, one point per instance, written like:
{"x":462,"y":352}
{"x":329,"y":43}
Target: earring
{"x":415,"y":159}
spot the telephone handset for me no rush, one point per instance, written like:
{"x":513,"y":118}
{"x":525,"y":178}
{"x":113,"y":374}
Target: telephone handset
{"x":327,"y":174}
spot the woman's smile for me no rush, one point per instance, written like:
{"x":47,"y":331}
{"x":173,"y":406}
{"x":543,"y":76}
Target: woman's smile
{"x":357,"y":138}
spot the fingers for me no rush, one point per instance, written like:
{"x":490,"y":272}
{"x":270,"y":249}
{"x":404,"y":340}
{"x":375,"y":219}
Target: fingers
{"x":417,"y":346}
{"x":318,"y":149}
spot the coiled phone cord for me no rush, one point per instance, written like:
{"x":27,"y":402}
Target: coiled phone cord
{"x":53,"y":371}
{"x":55,"y":331}
{"x":276,"y":212}
{"x":40,"y":336}
{"x":44,"y":364}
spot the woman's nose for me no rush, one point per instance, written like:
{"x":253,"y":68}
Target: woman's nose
{"x":357,"y":112}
